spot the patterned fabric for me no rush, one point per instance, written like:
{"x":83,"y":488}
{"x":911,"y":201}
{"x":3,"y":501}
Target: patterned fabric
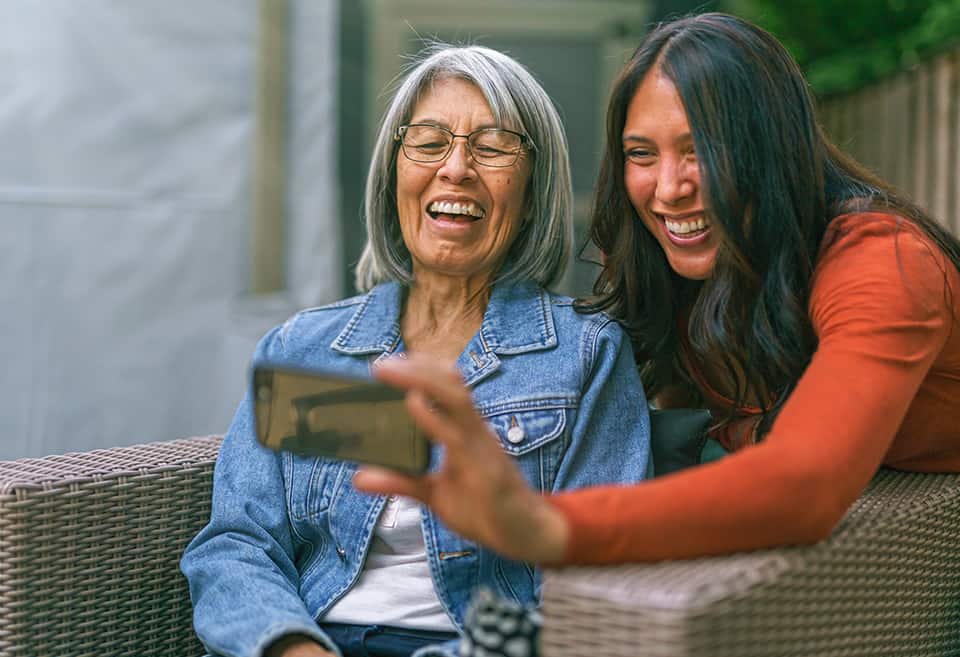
{"x":497,"y":627}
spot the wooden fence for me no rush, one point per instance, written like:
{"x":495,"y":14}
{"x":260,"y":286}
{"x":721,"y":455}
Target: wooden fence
{"x":907,"y":129}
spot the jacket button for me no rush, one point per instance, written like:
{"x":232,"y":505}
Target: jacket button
{"x":515,"y":434}
{"x":341,"y":553}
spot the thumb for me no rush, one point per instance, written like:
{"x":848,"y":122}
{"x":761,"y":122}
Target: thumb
{"x":381,"y":481}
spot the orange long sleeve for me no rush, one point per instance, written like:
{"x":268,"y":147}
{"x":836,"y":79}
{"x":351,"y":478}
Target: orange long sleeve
{"x":882,"y":387}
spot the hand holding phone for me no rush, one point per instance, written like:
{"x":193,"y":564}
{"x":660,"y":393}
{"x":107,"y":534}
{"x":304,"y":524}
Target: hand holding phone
{"x":324,"y":414}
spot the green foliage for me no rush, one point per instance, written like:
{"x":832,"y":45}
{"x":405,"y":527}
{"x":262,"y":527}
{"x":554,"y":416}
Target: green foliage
{"x":847,"y":44}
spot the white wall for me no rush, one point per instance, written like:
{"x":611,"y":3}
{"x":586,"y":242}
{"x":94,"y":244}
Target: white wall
{"x":126,"y":142}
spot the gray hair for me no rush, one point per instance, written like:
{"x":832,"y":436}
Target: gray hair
{"x":518,"y":102}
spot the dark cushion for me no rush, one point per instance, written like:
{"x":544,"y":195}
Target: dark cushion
{"x":678,"y":439}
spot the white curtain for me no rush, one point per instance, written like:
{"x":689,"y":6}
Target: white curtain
{"x":126,"y":156}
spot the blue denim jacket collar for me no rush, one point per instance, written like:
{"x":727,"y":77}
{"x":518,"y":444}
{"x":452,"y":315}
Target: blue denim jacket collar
{"x":375,"y":326}
{"x":518,"y":320}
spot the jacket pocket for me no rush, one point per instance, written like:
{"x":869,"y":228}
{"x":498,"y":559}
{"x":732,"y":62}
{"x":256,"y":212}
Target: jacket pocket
{"x":535,"y":437}
{"x":310,"y":484}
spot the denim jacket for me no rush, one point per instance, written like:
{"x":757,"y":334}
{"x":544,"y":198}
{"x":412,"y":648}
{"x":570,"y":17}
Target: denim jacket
{"x":288,"y":535}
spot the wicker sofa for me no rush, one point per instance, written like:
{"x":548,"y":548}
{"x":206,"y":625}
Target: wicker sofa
{"x":89,"y":546}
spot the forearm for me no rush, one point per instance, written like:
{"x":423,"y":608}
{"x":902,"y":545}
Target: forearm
{"x":241,"y":567}
{"x":242,"y":601}
{"x":741,"y":503}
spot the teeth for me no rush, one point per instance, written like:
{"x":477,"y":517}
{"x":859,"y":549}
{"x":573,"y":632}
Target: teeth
{"x":683,"y":227}
{"x":449,"y":207}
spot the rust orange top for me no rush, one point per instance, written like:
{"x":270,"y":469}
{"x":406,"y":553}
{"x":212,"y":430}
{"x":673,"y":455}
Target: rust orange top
{"x":883,"y":387}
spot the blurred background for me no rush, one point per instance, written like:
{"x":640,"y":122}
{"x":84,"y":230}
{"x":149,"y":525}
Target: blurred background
{"x":176,"y":176}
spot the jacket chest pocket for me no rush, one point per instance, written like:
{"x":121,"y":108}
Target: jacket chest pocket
{"x":311,"y":484}
{"x":536,"y":438}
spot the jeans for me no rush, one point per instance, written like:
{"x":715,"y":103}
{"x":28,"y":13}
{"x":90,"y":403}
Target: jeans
{"x":380,"y":640}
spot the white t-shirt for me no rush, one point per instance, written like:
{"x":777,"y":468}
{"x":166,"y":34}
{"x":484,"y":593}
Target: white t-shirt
{"x":395,"y":587}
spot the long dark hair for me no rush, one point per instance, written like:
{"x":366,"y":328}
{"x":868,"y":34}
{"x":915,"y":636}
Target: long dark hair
{"x":771,"y":182}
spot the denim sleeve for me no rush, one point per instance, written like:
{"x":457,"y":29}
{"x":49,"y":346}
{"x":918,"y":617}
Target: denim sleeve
{"x":610,"y":438}
{"x":240,"y":567}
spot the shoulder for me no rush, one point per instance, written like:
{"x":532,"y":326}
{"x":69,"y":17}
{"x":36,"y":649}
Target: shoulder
{"x":879,"y":245}
{"x":874,"y":230}
{"x":523,"y":315}
{"x":317,"y":325}
{"x":597,"y":336}
{"x":875,"y":266}
{"x":564,"y":308}
{"x":567,"y":317}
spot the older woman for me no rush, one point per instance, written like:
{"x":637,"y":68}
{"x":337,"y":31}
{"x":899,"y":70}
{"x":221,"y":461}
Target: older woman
{"x":469,"y":217}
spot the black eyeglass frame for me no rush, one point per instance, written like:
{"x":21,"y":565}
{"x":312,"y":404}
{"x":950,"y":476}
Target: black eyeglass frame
{"x":526,"y":143}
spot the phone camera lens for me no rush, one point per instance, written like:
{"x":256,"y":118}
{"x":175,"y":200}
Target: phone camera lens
{"x":263,"y":393}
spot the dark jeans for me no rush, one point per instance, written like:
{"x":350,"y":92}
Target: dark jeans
{"x":380,"y":640}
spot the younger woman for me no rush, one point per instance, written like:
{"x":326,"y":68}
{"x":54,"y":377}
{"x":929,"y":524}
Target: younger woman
{"x":760,"y":273}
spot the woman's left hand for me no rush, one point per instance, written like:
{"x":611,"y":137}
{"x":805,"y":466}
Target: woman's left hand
{"x":297,"y":645}
{"x":477,"y":492}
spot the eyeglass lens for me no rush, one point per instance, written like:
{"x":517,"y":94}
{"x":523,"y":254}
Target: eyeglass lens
{"x":489,"y":146}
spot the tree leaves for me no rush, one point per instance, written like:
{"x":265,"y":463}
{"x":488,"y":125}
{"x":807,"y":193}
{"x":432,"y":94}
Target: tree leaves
{"x":845,"y":45}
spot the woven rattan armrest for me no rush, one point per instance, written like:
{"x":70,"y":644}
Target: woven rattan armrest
{"x":89,"y":550}
{"x":887,"y":582}
{"x":89,"y":546}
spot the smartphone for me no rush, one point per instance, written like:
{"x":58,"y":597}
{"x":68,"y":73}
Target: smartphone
{"x":316,"y":413}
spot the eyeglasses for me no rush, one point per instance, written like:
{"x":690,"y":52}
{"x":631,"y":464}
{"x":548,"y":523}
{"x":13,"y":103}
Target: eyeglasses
{"x":491,"y":147}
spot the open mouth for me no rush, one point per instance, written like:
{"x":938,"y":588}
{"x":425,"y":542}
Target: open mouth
{"x":465,"y":211}
{"x":686,"y":227}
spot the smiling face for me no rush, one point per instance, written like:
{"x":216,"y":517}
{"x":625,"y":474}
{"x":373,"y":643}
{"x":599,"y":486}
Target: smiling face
{"x":662,"y":177}
{"x":458,"y":218}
